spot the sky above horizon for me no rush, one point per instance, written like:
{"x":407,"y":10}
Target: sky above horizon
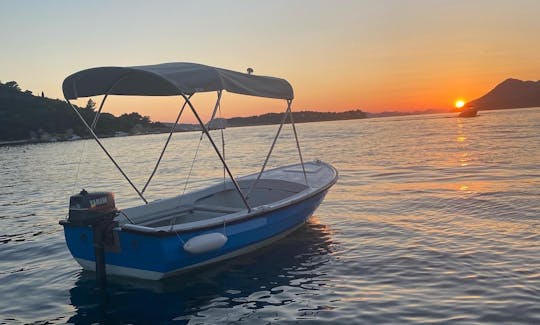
{"x":338,"y":55}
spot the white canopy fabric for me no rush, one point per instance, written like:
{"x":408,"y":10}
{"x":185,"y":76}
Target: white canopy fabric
{"x":170,"y":79}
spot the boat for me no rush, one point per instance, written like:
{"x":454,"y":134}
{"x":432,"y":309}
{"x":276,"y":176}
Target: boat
{"x":165,"y":237}
{"x":468,"y":112}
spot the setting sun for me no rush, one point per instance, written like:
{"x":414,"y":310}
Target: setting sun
{"x":459,"y":103}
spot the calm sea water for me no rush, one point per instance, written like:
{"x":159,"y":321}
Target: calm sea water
{"x":434,"y":219}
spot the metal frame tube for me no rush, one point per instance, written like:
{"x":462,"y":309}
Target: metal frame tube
{"x":106,"y":152}
{"x":216,"y":106}
{"x":297,"y":142}
{"x":165,"y":146}
{"x":271,"y":148}
{"x":96,"y":117}
{"x":98,"y":113}
{"x":205,"y":131}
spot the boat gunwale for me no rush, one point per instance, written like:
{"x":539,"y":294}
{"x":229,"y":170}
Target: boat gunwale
{"x":150,"y":231}
{"x":249,"y":216}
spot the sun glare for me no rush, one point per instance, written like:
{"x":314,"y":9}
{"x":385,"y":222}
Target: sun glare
{"x":459,"y":103}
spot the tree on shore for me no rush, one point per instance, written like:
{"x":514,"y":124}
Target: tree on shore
{"x":91,"y":105}
{"x":13,"y":85}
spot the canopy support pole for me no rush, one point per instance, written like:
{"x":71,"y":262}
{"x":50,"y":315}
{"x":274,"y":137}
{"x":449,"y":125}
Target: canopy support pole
{"x":216,"y":108}
{"x":205,"y":131}
{"x":165,"y":146}
{"x":106,"y":152}
{"x":98,"y":113}
{"x":285,"y":114}
{"x":218,"y":102}
{"x":297,"y":142}
{"x":96,"y":117}
{"x":222,"y":144}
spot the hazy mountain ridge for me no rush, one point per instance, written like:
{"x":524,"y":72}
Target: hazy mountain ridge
{"x":511,"y":93}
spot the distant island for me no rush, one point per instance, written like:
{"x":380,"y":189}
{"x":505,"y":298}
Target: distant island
{"x":299,"y":117}
{"x":511,"y":93}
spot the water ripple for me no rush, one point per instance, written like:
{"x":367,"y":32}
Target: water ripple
{"x":433,"y":220}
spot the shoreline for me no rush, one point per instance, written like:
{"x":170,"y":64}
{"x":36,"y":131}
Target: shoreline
{"x":36,"y":141}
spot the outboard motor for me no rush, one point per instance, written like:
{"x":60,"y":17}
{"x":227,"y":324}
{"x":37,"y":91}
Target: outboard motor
{"x":97,"y":210}
{"x":86,"y":209}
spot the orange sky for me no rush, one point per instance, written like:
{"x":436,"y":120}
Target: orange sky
{"x":369,"y":55}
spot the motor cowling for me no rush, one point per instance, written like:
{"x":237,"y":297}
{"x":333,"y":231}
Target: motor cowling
{"x":91,"y":208}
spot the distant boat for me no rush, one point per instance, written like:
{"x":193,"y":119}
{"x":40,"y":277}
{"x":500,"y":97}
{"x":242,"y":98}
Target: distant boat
{"x":235,"y":216}
{"x":468,"y":112}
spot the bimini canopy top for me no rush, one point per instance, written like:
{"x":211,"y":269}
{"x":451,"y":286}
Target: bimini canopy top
{"x":170,"y":79}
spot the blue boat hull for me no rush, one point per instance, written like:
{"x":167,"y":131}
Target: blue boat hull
{"x":155,"y":256}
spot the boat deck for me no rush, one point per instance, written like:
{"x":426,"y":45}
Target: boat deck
{"x":222,"y":203}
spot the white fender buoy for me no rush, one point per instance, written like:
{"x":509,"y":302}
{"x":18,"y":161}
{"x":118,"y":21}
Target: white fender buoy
{"x":205,"y":243}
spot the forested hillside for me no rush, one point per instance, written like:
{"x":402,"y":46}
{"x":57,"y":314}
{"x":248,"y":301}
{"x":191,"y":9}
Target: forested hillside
{"x":26,"y":116}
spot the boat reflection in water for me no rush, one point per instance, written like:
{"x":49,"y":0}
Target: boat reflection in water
{"x":265,"y":278}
